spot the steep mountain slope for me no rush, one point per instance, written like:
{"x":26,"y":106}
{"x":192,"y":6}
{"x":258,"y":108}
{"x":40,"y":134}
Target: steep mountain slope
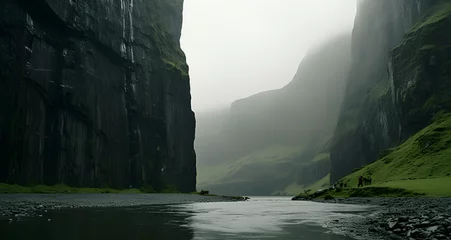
{"x":95,"y":93}
{"x":375,"y":112}
{"x":268,"y":140}
{"x":414,"y":106}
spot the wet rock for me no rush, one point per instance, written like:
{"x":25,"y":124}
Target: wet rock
{"x":438,"y":218}
{"x":418,"y":233}
{"x":392,"y":224}
{"x":432,"y":229}
{"x":424,"y":224}
{"x":409,"y":233}
{"x":440,"y":236}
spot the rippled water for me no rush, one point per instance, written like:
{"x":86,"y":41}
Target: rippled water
{"x":259,"y":218}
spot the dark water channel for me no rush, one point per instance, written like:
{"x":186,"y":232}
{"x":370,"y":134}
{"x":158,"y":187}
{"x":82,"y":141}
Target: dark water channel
{"x":259,"y":218}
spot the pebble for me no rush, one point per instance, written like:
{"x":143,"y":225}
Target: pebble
{"x":432,"y":229}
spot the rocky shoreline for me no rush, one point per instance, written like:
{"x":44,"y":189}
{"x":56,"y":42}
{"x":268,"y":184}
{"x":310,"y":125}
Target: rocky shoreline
{"x":14,"y":207}
{"x":397,"y":218}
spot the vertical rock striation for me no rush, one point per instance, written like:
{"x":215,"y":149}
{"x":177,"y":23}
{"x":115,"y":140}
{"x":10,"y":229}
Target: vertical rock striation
{"x":399,"y":79}
{"x":95,"y":93}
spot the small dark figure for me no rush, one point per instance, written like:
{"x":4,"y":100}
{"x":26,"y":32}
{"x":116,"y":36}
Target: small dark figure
{"x":202,"y":192}
{"x":360,"y":181}
{"x":341,"y":185}
{"x":370,"y":180}
{"x":346,"y":185}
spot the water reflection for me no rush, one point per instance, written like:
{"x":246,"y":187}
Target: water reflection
{"x":154,"y":222}
{"x":261,"y":218}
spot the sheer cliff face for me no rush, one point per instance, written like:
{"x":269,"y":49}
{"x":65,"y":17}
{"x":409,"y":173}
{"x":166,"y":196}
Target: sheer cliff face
{"x":95,"y":93}
{"x":387,"y":86}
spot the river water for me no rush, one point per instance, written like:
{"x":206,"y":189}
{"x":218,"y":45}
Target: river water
{"x":258,"y":218}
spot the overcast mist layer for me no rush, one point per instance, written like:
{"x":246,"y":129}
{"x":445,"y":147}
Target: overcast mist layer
{"x":236,"y":48}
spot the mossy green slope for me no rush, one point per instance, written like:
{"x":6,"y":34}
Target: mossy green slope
{"x":438,"y":12}
{"x":413,"y":164}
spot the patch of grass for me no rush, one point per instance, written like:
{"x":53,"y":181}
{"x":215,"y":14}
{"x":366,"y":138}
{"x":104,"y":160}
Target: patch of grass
{"x":435,"y":187}
{"x":147,"y":189}
{"x":438,"y":12}
{"x":293,"y":189}
{"x":378,"y":90}
{"x":329,"y":197}
{"x":14,"y":188}
{"x":427,"y":154}
{"x":321,"y":157}
{"x":372,"y":191}
{"x":321,"y":184}
{"x":170,"y":189}
{"x":273,"y":156}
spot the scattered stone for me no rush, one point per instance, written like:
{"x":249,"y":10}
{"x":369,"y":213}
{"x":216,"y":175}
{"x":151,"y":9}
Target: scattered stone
{"x":393,"y":224}
{"x":425,"y":224}
{"x":432,"y":229}
{"x":48,"y":220}
{"x":440,"y":236}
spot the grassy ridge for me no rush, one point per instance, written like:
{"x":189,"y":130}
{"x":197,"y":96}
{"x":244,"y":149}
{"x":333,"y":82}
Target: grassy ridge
{"x":272,"y":156}
{"x":436,"y":187}
{"x":427,"y":154}
{"x":440,"y":11}
{"x":419,"y":166}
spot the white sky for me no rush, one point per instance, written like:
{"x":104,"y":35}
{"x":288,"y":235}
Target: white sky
{"x":237,"y":48}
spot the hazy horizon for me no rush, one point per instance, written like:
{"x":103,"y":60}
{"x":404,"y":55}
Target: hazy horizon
{"x":238,"y":48}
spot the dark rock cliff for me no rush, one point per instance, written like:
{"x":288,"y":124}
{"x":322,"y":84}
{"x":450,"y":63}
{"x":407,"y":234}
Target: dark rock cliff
{"x":95,"y":93}
{"x":398,"y":82}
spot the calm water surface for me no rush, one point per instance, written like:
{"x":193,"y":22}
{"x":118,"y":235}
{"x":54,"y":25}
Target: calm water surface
{"x":259,"y":218}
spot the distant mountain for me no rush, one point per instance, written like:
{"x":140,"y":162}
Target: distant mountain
{"x":266,"y":142}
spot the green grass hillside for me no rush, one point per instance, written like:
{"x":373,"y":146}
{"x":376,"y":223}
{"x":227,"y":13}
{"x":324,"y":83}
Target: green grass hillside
{"x":421,"y":164}
{"x":272,"y":155}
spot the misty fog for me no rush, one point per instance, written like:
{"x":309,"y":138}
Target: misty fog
{"x":266,"y":88}
{"x":237,"y":48}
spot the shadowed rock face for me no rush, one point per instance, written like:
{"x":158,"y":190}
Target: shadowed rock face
{"x":398,"y":81}
{"x":95,"y":93}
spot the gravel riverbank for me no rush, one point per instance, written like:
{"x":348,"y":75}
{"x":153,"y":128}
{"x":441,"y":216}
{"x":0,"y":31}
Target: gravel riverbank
{"x":13,"y":207}
{"x":397,"y":218}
